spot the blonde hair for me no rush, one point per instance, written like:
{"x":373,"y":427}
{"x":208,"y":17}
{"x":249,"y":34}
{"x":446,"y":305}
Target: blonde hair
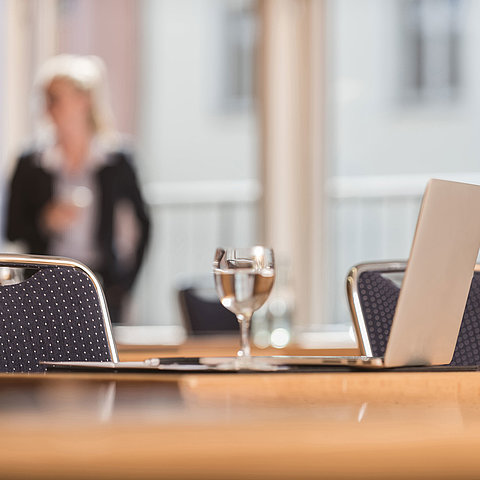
{"x":88,"y":74}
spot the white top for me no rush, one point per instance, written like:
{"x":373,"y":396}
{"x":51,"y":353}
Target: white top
{"x":81,"y":190}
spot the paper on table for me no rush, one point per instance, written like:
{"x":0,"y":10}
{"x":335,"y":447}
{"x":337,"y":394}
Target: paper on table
{"x":134,"y":366}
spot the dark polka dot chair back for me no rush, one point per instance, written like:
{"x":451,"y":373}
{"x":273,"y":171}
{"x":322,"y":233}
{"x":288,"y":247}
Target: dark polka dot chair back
{"x":57,"y":314}
{"x":373,"y":301}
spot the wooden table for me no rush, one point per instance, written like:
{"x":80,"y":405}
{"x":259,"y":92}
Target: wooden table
{"x":239,"y":426}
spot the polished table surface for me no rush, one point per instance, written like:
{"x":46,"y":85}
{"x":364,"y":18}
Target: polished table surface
{"x":229,"y":426}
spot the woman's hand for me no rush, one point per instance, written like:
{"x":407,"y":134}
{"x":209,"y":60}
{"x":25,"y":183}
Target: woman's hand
{"x":59,"y":216}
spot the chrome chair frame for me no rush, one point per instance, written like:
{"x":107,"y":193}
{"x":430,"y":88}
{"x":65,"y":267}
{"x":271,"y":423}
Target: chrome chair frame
{"x":42,"y":261}
{"x":353,"y":297}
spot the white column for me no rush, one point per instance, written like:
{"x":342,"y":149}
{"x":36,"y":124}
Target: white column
{"x":30,"y":37}
{"x":27,"y":38}
{"x":3,"y":101}
{"x":291,"y":99}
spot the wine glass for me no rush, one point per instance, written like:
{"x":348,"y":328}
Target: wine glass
{"x":244,"y":278}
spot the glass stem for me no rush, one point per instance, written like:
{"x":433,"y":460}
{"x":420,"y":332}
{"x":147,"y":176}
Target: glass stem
{"x":244,"y":321}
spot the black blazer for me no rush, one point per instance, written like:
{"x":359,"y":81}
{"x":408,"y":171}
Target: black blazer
{"x":31,"y":189}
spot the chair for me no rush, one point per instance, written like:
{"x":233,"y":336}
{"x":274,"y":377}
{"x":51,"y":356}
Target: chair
{"x":202,"y":312}
{"x":59,"y":313}
{"x":372,"y":292}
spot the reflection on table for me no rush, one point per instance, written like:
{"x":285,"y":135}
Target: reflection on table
{"x":257,"y":425}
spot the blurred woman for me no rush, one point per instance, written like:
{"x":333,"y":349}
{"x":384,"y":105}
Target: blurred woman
{"x":72,"y":193}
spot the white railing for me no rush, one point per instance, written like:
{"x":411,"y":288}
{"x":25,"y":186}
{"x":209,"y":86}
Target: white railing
{"x":189,"y":220}
{"x":216,"y":192}
{"x":371,"y":218}
{"x":389,"y":186}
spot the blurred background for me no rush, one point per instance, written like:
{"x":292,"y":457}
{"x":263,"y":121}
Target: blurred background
{"x":308,"y":125}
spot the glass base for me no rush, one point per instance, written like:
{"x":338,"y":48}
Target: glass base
{"x":247,"y":363}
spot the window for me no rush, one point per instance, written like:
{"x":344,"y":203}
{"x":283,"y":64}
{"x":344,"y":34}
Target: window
{"x":238,"y":26}
{"x":431,"y":41}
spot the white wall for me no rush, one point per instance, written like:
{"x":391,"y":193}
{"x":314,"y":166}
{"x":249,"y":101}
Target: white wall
{"x":374,"y":132}
{"x":185,"y":136}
